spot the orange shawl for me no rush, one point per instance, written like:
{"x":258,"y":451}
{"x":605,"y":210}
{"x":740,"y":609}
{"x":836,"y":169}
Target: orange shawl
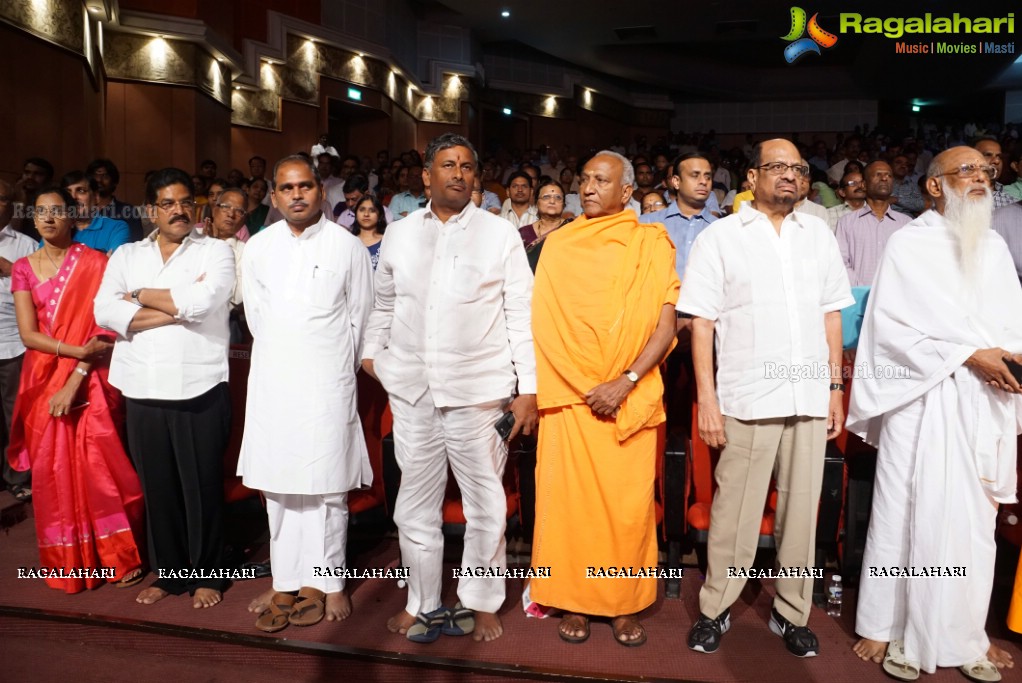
{"x":582,"y":342}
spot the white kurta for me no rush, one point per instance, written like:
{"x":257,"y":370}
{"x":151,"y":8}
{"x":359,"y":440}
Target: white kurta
{"x":307,"y":300}
{"x":947,"y":441}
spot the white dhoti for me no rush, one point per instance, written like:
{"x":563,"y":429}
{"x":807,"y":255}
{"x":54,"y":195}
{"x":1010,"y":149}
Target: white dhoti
{"x":930,"y":512}
{"x":308,"y":538}
{"x":426,"y":439}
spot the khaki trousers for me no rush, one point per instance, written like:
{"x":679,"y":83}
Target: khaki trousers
{"x":792,"y":450}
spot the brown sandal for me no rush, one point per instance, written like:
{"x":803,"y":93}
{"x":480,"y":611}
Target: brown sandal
{"x":275,"y":617}
{"x":623,"y":625}
{"x":574,"y":621}
{"x":131,"y":579}
{"x":309,"y":608}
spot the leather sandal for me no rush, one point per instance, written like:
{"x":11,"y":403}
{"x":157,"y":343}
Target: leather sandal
{"x":131,"y":579}
{"x":568,"y":638}
{"x":622,"y":625}
{"x":275,"y":617}
{"x":309,"y":607}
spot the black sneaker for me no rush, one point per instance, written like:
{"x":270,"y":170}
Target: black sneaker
{"x":705,"y":633}
{"x":799,"y":640}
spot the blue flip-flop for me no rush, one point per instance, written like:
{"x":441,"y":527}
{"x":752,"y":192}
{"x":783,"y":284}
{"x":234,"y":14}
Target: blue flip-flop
{"x":427,"y":626}
{"x":460,"y":621}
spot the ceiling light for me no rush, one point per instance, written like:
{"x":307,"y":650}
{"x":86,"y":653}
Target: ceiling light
{"x":505,"y":13}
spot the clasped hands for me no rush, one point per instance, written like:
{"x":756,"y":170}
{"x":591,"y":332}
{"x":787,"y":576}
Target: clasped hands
{"x":605,"y":399}
{"x":989,"y":365}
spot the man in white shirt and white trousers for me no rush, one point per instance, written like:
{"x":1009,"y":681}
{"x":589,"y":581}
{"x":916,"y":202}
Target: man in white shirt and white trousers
{"x":769,"y":280}
{"x":13,"y":246}
{"x":308,"y":293}
{"x":166,"y":297}
{"x":944,"y":410}
{"x":450,"y":339}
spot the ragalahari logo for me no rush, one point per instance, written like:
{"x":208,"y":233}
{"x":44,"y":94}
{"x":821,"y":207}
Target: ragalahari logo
{"x":800,"y":46}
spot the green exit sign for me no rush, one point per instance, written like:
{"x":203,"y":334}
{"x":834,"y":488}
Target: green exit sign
{"x":355,"y":94}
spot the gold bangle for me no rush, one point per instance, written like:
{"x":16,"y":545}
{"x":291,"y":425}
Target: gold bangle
{"x":58,"y":348}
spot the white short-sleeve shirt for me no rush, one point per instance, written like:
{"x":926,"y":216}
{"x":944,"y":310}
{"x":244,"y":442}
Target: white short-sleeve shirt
{"x":768,"y":294}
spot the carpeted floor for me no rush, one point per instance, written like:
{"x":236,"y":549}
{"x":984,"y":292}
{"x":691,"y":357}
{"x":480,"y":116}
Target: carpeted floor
{"x":104,"y":635}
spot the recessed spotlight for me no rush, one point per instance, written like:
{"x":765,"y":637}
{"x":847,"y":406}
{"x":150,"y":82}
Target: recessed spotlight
{"x":505,"y":13}
{"x":507,"y":111}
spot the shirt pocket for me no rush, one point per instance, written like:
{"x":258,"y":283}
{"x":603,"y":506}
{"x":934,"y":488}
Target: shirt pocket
{"x":323,"y":288}
{"x":469,"y":278}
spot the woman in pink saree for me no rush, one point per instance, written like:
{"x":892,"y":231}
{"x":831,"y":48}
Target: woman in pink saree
{"x":67,"y":418}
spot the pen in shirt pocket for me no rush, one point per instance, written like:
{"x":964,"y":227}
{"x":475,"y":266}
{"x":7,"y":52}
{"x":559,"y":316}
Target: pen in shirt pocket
{"x":314,"y":269}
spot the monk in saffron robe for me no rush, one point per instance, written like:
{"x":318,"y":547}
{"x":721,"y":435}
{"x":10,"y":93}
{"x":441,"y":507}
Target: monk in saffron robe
{"x":603,"y":320}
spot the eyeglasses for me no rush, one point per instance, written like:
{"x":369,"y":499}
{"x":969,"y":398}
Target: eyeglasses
{"x":972,"y":171}
{"x":779,"y":167}
{"x":648,"y":204}
{"x":552,"y":197}
{"x":168,"y":205}
{"x":55,"y":211}
{"x":227,"y":208}
{"x":852,"y":183}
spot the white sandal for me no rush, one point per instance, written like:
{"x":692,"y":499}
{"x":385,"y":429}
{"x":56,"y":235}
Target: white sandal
{"x":897,"y":666}
{"x":982,"y":670}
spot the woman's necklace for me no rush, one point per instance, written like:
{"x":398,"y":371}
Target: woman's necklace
{"x":49,"y":258}
{"x":556,"y":223}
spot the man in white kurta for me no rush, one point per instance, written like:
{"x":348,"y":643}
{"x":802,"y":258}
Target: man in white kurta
{"x":450,"y":339}
{"x":308,"y":294}
{"x":934,"y":395}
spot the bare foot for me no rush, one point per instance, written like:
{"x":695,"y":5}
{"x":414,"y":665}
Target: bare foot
{"x":1000,"y":658}
{"x":628,"y":630}
{"x":488,"y":627}
{"x":150,"y":595}
{"x":400,"y":622}
{"x":338,"y":606}
{"x":870,"y":650}
{"x":206,"y":597}
{"x":261,"y":601}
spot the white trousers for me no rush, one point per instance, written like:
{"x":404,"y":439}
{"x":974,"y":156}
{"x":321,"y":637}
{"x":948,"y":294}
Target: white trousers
{"x":929,"y":512}
{"x":308,"y":537}
{"x":426,"y":439}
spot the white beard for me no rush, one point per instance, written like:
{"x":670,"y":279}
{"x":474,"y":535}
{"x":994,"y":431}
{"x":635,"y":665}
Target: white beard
{"x":969,"y":220}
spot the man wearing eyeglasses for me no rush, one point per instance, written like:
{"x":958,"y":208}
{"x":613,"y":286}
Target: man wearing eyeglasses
{"x":853,"y":191}
{"x":227,"y":219}
{"x":944,"y":305}
{"x":769,"y":282}
{"x":166,"y":298}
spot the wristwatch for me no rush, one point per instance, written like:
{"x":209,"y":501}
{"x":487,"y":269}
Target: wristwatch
{"x":837,"y":387}
{"x":134,"y":297}
{"x":632,"y":377}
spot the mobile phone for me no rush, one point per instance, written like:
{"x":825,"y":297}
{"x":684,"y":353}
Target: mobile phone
{"x":505,"y":425}
{"x":1015,"y":369}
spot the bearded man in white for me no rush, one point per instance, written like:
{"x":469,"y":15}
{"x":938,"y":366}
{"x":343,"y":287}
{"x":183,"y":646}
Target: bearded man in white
{"x":945,"y":306}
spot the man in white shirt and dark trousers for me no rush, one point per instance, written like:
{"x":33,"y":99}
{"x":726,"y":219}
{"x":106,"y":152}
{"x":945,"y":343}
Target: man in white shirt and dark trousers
{"x":771,"y":283}
{"x":308,"y":293}
{"x":450,"y":339}
{"x":166,"y":297}
{"x":13,"y":246}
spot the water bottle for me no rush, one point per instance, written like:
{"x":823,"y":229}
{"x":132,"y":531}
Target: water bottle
{"x":834,"y":594}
